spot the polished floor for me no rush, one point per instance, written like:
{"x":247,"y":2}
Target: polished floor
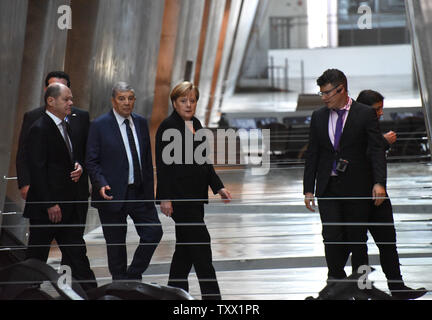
{"x":266,"y":245}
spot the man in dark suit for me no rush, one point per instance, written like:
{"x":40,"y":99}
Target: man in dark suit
{"x":381,"y":218}
{"x":79,"y":122}
{"x":339,"y":172}
{"x":120,"y":167}
{"x":54,"y":174}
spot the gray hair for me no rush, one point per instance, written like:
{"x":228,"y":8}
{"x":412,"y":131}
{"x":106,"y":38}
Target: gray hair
{"x":121,"y":86}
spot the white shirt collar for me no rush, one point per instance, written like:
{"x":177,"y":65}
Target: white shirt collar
{"x":120,"y":119}
{"x":347,"y":106}
{"x":56,"y":119}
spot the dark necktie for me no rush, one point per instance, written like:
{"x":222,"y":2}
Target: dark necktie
{"x":135,"y":160}
{"x":339,"y":126}
{"x":338,"y":132}
{"x":66,"y":130}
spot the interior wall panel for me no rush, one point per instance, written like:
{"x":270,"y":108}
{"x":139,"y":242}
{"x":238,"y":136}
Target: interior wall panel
{"x":125,"y":48}
{"x":44,"y":46}
{"x":79,"y":52}
{"x":217,"y":9}
{"x":13,"y":19}
{"x":44,"y":51}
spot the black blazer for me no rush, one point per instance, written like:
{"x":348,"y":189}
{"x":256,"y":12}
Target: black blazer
{"x":79,"y":123}
{"x":183,"y":181}
{"x":107,"y":161}
{"x":361,"y":136}
{"x":49,"y":166}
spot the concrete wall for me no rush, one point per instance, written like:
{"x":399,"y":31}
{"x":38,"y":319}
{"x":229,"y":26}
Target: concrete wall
{"x":354,"y":61}
{"x":290,"y":9}
{"x":125,"y":48}
{"x":44,"y":50}
{"x":12,"y":25}
{"x":419,"y":15}
{"x":210,"y":49}
{"x":227,"y":59}
{"x":181,"y":32}
{"x":255,"y":64}
{"x":189,"y":28}
{"x":247,"y":17}
{"x":80,"y":50}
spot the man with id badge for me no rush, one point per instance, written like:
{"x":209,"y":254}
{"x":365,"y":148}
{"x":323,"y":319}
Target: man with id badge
{"x":338,"y":172}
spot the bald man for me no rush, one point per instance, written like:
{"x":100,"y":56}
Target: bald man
{"x":54,"y":173}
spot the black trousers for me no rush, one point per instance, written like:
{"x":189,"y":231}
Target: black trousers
{"x":344,"y":229}
{"x":384,"y":234}
{"x":71,"y":243}
{"x":79,"y":219}
{"x":114,"y":226}
{"x":193,"y":249}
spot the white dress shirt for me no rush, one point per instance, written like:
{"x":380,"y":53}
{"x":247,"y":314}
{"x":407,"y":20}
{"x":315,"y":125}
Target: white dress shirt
{"x":58,"y":122}
{"x":332,"y":124}
{"x":333,"y":119}
{"x":122,"y":126}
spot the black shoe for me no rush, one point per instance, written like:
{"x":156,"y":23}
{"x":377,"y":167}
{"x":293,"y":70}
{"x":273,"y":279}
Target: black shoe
{"x":134,"y":277}
{"x":330,"y":291}
{"x":407,"y":293}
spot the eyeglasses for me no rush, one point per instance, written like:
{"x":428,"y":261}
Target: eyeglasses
{"x":325,"y":93}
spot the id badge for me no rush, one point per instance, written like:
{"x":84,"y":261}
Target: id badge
{"x":342,"y":165}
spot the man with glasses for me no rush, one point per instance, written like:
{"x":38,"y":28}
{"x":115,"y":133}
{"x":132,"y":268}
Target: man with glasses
{"x":339,"y":173}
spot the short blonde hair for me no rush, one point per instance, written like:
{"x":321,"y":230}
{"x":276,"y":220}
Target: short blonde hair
{"x":183,"y":89}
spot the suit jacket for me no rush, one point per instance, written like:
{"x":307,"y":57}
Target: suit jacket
{"x":107,"y":161}
{"x":361,"y":136}
{"x":183,"y":181}
{"x":386,"y":144}
{"x":49,"y":165}
{"x":79,"y":122}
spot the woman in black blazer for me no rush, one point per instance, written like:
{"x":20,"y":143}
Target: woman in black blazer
{"x":182,"y":190}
